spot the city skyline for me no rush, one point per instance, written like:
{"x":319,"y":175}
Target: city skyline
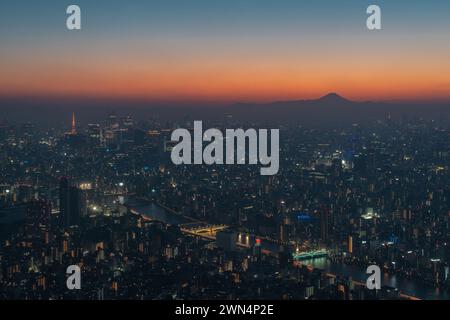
{"x":202,"y":152}
{"x":107,"y":198}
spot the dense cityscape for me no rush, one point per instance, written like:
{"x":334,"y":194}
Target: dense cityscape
{"x":106,"y":197}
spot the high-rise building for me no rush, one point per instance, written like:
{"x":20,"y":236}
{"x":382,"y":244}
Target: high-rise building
{"x":38,"y":214}
{"x":70,"y":203}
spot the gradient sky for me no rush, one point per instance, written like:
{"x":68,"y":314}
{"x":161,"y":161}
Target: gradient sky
{"x":233,"y":50}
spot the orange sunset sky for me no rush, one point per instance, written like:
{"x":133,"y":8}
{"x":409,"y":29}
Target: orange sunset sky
{"x":222,"y":53}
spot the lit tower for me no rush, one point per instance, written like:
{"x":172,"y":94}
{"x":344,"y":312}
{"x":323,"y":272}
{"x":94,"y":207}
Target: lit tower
{"x":74,"y":124}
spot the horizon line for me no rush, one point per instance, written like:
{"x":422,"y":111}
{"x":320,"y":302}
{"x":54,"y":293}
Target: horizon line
{"x":39,"y":98}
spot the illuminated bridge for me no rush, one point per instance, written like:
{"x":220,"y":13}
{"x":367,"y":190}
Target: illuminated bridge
{"x":310,"y":254}
{"x":208,"y":231}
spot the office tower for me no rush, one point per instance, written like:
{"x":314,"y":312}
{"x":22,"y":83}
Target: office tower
{"x":75,"y":205}
{"x":37,"y":217}
{"x":70,"y":203}
{"x":37,"y":214}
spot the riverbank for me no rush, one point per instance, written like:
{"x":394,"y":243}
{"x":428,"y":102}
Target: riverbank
{"x":358,"y":273}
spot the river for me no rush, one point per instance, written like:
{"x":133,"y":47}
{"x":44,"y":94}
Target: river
{"x":357,"y":273}
{"x":155,"y":212}
{"x":409,"y":287}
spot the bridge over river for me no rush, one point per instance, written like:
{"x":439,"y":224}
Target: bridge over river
{"x":317,"y":259}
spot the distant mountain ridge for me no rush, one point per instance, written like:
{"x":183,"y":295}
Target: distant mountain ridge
{"x":329,"y":109}
{"x":333,"y":98}
{"x":334,"y":108}
{"x":328,"y":99}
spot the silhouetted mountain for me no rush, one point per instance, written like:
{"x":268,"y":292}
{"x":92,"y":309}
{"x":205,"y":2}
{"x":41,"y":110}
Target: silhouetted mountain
{"x":333,"y":98}
{"x":331,"y":109}
{"x":329,"y":99}
{"x":335,"y":109}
